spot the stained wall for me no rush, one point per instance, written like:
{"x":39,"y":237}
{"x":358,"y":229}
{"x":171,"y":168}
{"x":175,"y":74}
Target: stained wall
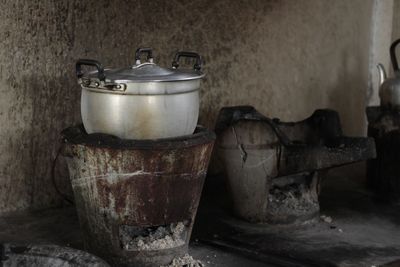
{"x":396,"y":22}
{"x":285,"y":57}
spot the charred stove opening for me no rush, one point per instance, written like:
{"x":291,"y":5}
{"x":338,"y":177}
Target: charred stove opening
{"x":293,"y":199}
{"x":159,"y":237}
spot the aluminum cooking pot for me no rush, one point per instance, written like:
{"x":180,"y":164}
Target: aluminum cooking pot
{"x":144,"y":101}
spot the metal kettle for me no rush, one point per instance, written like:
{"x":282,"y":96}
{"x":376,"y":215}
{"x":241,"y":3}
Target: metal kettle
{"x":389,"y":90}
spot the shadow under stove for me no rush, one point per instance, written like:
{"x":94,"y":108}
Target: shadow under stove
{"x":363,"y":231}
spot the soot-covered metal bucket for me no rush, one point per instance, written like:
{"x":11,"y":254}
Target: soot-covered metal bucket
{"x":137,"y":199}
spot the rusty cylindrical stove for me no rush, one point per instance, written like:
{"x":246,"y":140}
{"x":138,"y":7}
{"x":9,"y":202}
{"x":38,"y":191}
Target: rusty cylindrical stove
{"x":137,"y":199}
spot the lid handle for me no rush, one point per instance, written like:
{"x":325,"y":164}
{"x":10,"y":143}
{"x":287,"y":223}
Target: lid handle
{"x":89,"y":62}
{"x":178,"y":55}
{"x":142,"y":50}
{"x":393,"y":55}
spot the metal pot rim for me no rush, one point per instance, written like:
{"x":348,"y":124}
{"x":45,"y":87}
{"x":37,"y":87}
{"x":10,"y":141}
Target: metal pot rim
{"x":142,"y":88}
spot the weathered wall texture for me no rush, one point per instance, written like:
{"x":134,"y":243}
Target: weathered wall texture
{"x":396,"y":22}
{"x":285,"y":57}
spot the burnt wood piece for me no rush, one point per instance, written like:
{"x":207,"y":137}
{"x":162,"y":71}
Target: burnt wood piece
{"x":383,"y":173}
{"x":120,"y":184}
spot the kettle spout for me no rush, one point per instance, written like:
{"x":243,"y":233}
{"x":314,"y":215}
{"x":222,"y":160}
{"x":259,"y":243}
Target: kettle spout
{"x":382,"y":73}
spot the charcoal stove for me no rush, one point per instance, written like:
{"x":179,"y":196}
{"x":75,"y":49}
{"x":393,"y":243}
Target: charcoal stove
{"x":272,"y":167}
{"x":137,"y":199}
{"x":383,"y":173}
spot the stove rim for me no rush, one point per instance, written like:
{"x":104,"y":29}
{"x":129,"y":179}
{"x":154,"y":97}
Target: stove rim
{"x":76,"y":135}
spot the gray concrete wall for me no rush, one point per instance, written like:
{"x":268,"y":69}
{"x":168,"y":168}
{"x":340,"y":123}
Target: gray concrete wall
{"x":285,"y":57}
{"x":396,"y":22}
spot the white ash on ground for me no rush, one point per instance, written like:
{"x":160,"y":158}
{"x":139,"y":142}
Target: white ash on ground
{"x":164,"y":237}
{"x":326,"y":219}
{"x":292,"y":199}
{"x":185,"y":261}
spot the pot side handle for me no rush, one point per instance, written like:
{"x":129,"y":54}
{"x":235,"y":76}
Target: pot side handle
{"x":89,"y":62}
{"x":178,"y":55}
{"x":393,"y":57}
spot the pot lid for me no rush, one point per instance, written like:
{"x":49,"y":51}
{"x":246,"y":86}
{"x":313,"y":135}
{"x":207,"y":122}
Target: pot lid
{"x":143,"y":72}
